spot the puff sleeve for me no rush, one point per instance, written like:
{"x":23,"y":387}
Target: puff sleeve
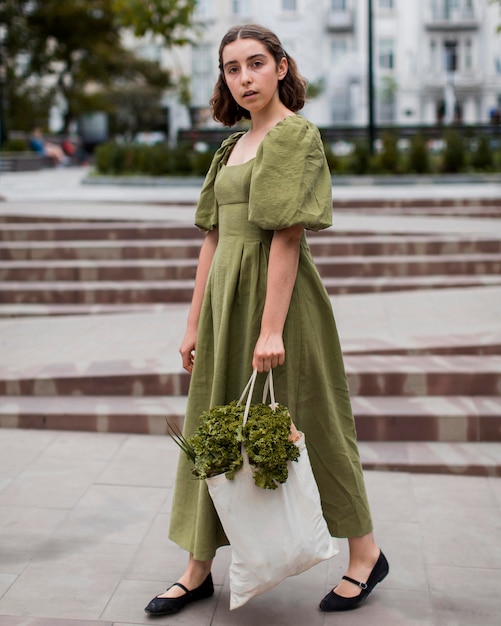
{"x":207,"y":213}
{"x":291,"y":182}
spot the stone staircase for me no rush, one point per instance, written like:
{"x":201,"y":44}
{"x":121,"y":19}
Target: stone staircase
{"x":448,"y":392}
{"x":80,"y":265}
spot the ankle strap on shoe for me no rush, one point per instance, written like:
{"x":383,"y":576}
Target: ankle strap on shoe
{"x":181,"y":586}
{"x":355,"y":582}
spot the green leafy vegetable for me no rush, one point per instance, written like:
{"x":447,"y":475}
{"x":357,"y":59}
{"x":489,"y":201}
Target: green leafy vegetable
{"x":215,"y":447}
{"x":217,"y":441}
{"x":266,"y":439}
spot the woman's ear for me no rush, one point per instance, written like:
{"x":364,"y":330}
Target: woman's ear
{"x":283,"y":68}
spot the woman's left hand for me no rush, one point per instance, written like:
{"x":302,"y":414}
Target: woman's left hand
{"x":269,"y":352}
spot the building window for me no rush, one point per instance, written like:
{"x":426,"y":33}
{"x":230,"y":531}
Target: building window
{"x":451,"y":56}
{"x":240,"y":7}
{"x":451,"y":7}
{"x":338,"y":5}
{"x":341,"y":109}
{"x":386,"y":4}
{"x":468,"y":55}
{"x":386,"y":54}
{"x":339,"y":47}
{"x":289,"y":6}
{"x":469,"y":9}
{"x":202,"y":80}
{"x":387,"y":100}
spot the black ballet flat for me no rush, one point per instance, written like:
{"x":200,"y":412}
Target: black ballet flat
{"x":168,"y":606}
{"x":334,"y":602}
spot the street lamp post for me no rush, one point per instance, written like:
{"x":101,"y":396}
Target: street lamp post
{"x":2,"y":83}
{"x":2,"y":125}
{"x":370,"y":80}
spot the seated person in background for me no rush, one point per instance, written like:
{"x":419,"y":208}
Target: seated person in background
{"x":74,"y":151}
{"x":52,"y":150}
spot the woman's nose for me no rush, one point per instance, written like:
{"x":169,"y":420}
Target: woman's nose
{"x":245,"y":76}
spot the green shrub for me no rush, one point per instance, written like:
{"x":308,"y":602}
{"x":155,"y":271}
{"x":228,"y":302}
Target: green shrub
{"x":483,"y":157}
{"x":155,"y":160}
{"x":201,"y":162}
{"x":114,"y":159}
{"x":419,"y":158}
{"x":360,"y":160}
{"x":106,"y":157}
{"x":332,"y":159}
{"x":180,"y":159}
{"x":15,"y":145}
{"x":388,"y":160}
{"x":454,"y":154}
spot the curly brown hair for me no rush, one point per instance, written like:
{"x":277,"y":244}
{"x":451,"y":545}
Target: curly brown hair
{"x":291,"y":89}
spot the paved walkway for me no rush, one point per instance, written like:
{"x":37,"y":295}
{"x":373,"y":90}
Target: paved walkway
{"x":83,"y":516}
{"x":64,"y":184}
{"x":83,"y":521}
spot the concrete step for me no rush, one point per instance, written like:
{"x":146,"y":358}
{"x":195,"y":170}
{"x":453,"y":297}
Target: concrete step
{"x":180,"y":290}
{"x":185,"y":269}
{"x":441,"y":418}
{"x":401,"y":204}
{"x":430,"y":418}
{"x":101,"y":250}
{"x":98,"y":292}
{"x":151,"y":230}
{"x":417,"y":265}
{"x":448,"y":210}
{"x":380,"y":244}
{"x":432,"y":457}
{"x":368,"y":375}
{"x":115,"y":414}
{"x":68,"y":231}
{"x":44,"y":310}
{"x":424,"y":375}
{"x":85,"y":270}
{"x":189,"y":247}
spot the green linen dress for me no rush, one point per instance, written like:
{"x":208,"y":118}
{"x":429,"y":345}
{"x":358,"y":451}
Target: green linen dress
{"x":287,"y":183}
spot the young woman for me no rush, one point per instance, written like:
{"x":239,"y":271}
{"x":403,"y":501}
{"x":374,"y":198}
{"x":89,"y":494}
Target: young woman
{"x":259,"y":302}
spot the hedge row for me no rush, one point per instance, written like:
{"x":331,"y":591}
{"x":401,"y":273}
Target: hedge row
{"x":456,"y":154}
{"x":159,"y":160}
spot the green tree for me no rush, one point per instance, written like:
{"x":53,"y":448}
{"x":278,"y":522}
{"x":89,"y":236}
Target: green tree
{"x":75,"y":47}
{"x":172,"y":20}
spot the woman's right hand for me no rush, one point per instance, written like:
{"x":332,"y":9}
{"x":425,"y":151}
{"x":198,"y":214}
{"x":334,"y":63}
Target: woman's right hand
{"x":187,"y":350}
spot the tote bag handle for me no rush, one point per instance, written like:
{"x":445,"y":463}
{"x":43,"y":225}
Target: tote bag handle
{"x":249,"y":390}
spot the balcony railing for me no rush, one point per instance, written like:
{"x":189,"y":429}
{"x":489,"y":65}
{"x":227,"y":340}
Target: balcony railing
{"x":463,"y":18}
{"x":464,"y":80}
{"x":338,"y":21}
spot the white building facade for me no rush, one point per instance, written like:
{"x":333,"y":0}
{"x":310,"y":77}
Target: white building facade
{"x":433,"y":60}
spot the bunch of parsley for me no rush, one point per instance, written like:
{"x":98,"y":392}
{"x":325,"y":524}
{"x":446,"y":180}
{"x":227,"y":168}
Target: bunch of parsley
{"x":215,"y":447}
{"x":266,"y":440}
{"x":217,"y":441}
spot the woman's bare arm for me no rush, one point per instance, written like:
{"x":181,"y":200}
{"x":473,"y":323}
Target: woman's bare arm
{"x":189,"y":343}
{"x":282,"y":271}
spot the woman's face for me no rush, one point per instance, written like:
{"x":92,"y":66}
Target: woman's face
{"x":252,"y":74}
